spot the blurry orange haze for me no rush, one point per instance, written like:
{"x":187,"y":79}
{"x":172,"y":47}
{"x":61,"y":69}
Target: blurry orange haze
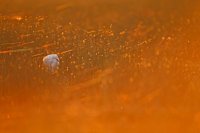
{"x":126,"y":66}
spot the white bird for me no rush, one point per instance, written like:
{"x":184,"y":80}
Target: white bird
{"x":51,"y":62}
